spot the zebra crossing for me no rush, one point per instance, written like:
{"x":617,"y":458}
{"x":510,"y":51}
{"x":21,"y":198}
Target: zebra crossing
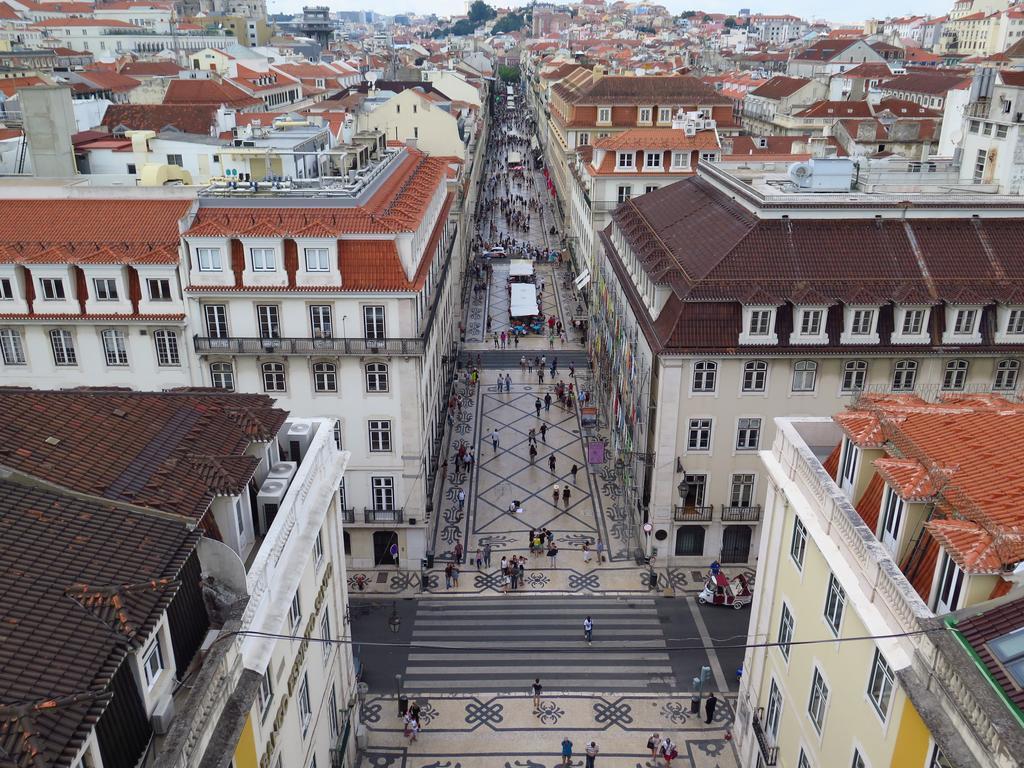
{"x":501,"y":644}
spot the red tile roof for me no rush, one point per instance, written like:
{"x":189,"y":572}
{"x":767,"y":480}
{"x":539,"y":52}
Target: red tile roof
{"x":981,"y":628}
{"x":9,"y":86}
{"x":930,"y":83}
{"x":780,"y":87}
{"x":74,"y":21}
{"x":151,"y":69}
{"x":188,"y":118}
{"x":870,"y":504}
{"x":208,"y":91}
{"x":824,"y":50}
{"x":837,"y":109}
{"x":657,"y":138}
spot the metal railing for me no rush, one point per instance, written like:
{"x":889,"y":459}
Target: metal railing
{"x":751,"y":514}
{"x":693,"y":514}
{"x":348,"y":515}
{"x":371,"y":515}
{"x":307,"y":346}
{"x":769,"y":754}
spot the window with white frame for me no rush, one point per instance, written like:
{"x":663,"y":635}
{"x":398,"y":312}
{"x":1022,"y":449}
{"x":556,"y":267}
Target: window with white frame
{"x":955,"y":376}
{"x":950,"y":586}
{"x":383,"y":493}
{"x":937,"y":759}
{"x":380,"y":435}
{"x":11,"y":346}
{"x":709,"y":157}
{"x":339,"y":433}
{"x":835,"y":603}
{"x":904,"y":375}
{"x":295,"y":612}
{"x":855,"y":374}
{"x":748,"y":434}
{"x":810,"y":322}
{"x":741,"y":490}
{"x":760,"y":322}
{"x":63,"y":346}
{"x":773,"y":711}
{"x":1006,"y":375}
{"x":705,"y":375}
{"x":320,"y":323}
{"x":798,"y":543}
{"x":239,"y":519}
{"x":913,"y":322}
{"x":818,"y":701}
{"x":786,"y":623}
{"x":645,"y":115}
{"x":265,"y":695}
{"x":325,"y":377}
{"x":803,"y":761}
{"x":274,"y":379}
{"x":105,"y":288}
{"x":53,"y":288}
{"x":332,"y":714}
{"x":222,"y":376}
{"x":166,"y":343}
{"x":263,"y":259}
{"x":965,"y":321}
{"x":152,"y":662}
{"x":325,"y":629}
{"x":604,"y":114}
{"x":851,"y":456}
{"x":159,"y":289}
{"x":862,"y":322}
{"x":804,"y":374}
{"x":858,"y":760}
{"x":115,"y":350}
{"x":625,"y":160}
{"x":652,"y":159}
{"x":6,"y":289}
{"x":317,"y":259}
{"x":1015,"y":322}
{"x":305,"y":710}
{"x":680,"y":159}
{"x":209,"y":259}
{"x":268,"y":317}
{"x":755,"y":375}
{"x":881,"y":683}
{"x":582,"y":139}
{"x":624,"y":192}
{"x":648,"y":188}
{"x":893,"y":508}
{"x":664,"y":114}
{"x":373,"y":322}
{"x":216,"y":316}
{"x":699,"y":437}
{"x":377,"y":377}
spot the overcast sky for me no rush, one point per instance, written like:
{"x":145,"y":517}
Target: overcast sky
{"x":812,"y":9}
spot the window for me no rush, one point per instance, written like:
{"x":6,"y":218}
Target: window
{"x":582,"y":139}
{"x":835,"y":602}
{"x":748,"y":434}
{"x":803,"y":761}
{"x":332,"y":714}
{"x":305,"y":710}
{"x":216,"y":316}
{"x":11,"y":346}
{"x":704,"y":374}
{"x":320,"y":321}
{"x":696,"y":487}
{"x":159,"y":289}
{"x":263,"y":259}
{"x":965,"y":321}
{"x":862,"y":322}
{"x":317,"y":260}
{"x":798,"y":544}
{"x":265,"y":695}
{"x":625,"y":160}
{"x":818,"y":701}
{"x":938,"y":760}
{"x":325,"y":377}
{"x":6,"y":290}
{"x":785,"y":630}
{"x":239,"y":519}
{"x":325,"y":627}
{"x":645,"y":115}
{"x":373,"y":322}
{"x":975,"y":126}
{"x":131,"y":169}
{"x":709,"y":157}
{"x":415,"y":131}
{"x":114,"y":349}
{"x":377,"y":377}
{"x":380,"y":435}
{"x":318,"y":547}
{"x":913,"y":322}
{"x":680,"y":159}
{"x":804,"y":374}
{"x":979,"y":162}
{"x":295,"y":612}
{"x":209,"y":259}
{"x":652,"y":159}
{"x":1014,"y":323}
{"x":760,"y":322}
{"x":892,"y":519}
{"x":650,"y":188}
{"x":273,"y":377}
{"x":903,"y":375}
{"x":742,"y":490}
{"x":625,"y":192}
{"x":604,"y":114}
{"x":166,"y":348}
{"x":858,"y":761}
{"x":880,"y":684}
{"x":850,"y":455}
{"x":664,"y":114}
{"x":1001,"y":131}
{"x":951,"y":584}
{"x":699,"y":438}
{"x":810,"y":322}
{"x":773,"y":712}
{"x":105,"y":288}
{"x":338,"y":432}
{"x":222,"y":376}
{"x":63,"y":347}
{"x":383,"y":490}
{"x":755,"y":373}
{"x":175,"y":160}
{"x":152,"y":662}
{"x":53,"y":288}
{"x":955,"y":376}
{"x":855,"y":373}
{"x":269,"y":320}
{"x":1006,"y":375}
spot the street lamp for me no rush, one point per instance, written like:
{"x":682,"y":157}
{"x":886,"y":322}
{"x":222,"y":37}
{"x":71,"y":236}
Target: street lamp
{"x":683,"y":488}
{"x":395,"y":622}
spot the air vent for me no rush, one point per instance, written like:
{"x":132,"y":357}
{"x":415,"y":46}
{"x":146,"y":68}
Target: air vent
{"x":52,"y":440}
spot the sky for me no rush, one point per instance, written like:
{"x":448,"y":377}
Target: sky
{"x":811,"y":9}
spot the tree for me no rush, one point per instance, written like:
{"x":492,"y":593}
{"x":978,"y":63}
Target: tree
{"x":730,"y":22}
{"x":480,"y":12}
{"x":513,"y":22}
{"x":508,"y":74}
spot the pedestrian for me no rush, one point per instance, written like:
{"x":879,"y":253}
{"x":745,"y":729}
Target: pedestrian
{"x":555,"y":492}
{"x":503,"y":337}
{"x":414,"y":712}
{"x":592,"y":751}
{"x":588,"y":630}
{"x":531,"y":436}
{"x":669,"y":751}
{"x":709,"y":708}
{"x":462,"y":499}
{"x":547,"y":402}
{"x":495,"y":340}
{"x":573,"y":472}
{"x":652,"y":744}
{"x":487,"y":555}
{"x":513,"y":573}
{"x":566,"y":751}
{"x":600,"y":550}
{"x":508,"y":382}
{"x":522,"y":360}
{"x":551,"y":463}
{"x":540,"y":375}
{"x":572,"y":369}
{"x":565,"y":495}
{"x":537,"y":405}
{"x":529,"y":365}
{"x":458,"y":552}
{"x":553,"y":554}
{"x":494,"y":439}
{"x":537,"y":688}
{"x":479,"y":557}
{"x":533,"y":452}
{"x":543,"y":431}
{"x":536,"y":544}
{"x":455,"y":576}
{"x":586,"y":553}
{"x":448,"y":576}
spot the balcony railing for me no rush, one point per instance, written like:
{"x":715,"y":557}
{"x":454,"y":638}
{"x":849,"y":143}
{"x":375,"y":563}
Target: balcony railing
{"x":750,"y":514}
{"x":348,"y":515}
{"x":383,"y":515}
{"x":769,"y":754}
{"x":237,"y":345}
{"x":693,"y":514}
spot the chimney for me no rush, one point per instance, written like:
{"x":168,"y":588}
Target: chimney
{"x":599,"y":71}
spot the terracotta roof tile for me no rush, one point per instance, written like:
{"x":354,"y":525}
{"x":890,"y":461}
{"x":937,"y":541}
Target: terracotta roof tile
{"x":658,"y":138}
{"x":780,"y":87}
{"x":984,"y":626}
{"x":206,"y":91}
{"x":196,"y":119}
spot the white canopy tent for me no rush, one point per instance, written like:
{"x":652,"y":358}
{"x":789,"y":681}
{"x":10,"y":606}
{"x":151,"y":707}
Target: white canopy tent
{"x":520,"y":268}
{"x":524,"y":300}
{"x":514,"y":158}
{"x":582,"y":280}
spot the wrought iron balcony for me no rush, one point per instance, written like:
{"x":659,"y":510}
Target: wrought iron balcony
{"x":769,"y":754}
{"x":693,"y":514}
{"x":348,"y":515}
{"x":383,"y":515}
{"x":237,"y":345}
{"x":750,"y":514}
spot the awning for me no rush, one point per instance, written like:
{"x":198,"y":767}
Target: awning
{"x":520,"y":268}
{"x":524,"y":300}
{"x":582,"y":280}
{"x":514,"y":158}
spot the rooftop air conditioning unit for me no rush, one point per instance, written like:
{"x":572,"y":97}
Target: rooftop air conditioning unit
{"x":163,"y":715}
{"x":297,"y":439}
{"x":283,"y":471}
{"x":269,"y":501}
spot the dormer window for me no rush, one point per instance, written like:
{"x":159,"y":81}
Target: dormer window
{"x":680,"y":160}
{"x":625,"y":160}
{"x":263,"y":259}
{"x":604,"y":115}
{"x":664,"y":114}
{"x":861,"y":326}
{"x":913,"y":322}
{"x":911,"y":326}
{"x":209,"y":259}
{"x":652,"y":160}
{"x":645,"y":115}
{"x":810,"y":322}
{"x":964,"y":322}
{"x":863,"y":321}
{"x":962,"y":325}
{"x":758,"y":326}
{"x":760,"y":321}
{"x":1009,"y":324}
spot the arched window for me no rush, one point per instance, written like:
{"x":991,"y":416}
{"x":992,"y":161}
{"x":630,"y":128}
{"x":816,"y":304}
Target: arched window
{"x":377,"y":377}
{"x":114,"y":348}
{"x":325,"y":377}
{"x":705,"y":374}
{"x":274,"y":377}
{"x":1006,"y":375}
{"x":855,"y":374}
{"x":222,"y":376}
{"x":955,"y":376}
{"x":166,"y":348}
{"x":804,"y":374}
{"x":904,"y":375}
{"x":755,"y":374}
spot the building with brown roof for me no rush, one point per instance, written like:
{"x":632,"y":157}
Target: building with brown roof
{"x":188,"y":91}
{"x":778,"y":96}
{"x":830,"y":56}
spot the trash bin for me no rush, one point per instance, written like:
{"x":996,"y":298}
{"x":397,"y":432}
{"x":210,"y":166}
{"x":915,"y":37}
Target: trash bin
{"x":654,"y":579}
{"x":403,"y":705}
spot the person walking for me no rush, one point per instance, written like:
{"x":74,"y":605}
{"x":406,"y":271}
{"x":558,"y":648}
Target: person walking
{"x":529,"y":365}
{"x":494,"y":439}
{"x":547,"y":402}
{"x":531,"y":436}
{"x":458,"y":552}
{"x":566,"y":751}
{"x":652,"y":744}
{"x":600,"y":550}
{"x":537,"y":405}
{"x":586,"y":553}
{"x":709,"y":708}
{"x":591,"y":753}
{"x":573,"y":472}
{"x":508,"y":382}
{"x":555,"y":493}
{"x":462,"y":499}
{"x":533,"y":452}
{"x":551,"y":463}
{"x":537,"y":689}
{"x":540,"y":375}
{"x":588,"y":630}
{"x":522,"y":362}
{"x":553,"y":554}
{"x":448,"y":576}
{"x":565,"y":495}
{"x":455,"y":576}
{"x":487,"y":555}
{"x":479,"y":558}
{"x":543,"y":431}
